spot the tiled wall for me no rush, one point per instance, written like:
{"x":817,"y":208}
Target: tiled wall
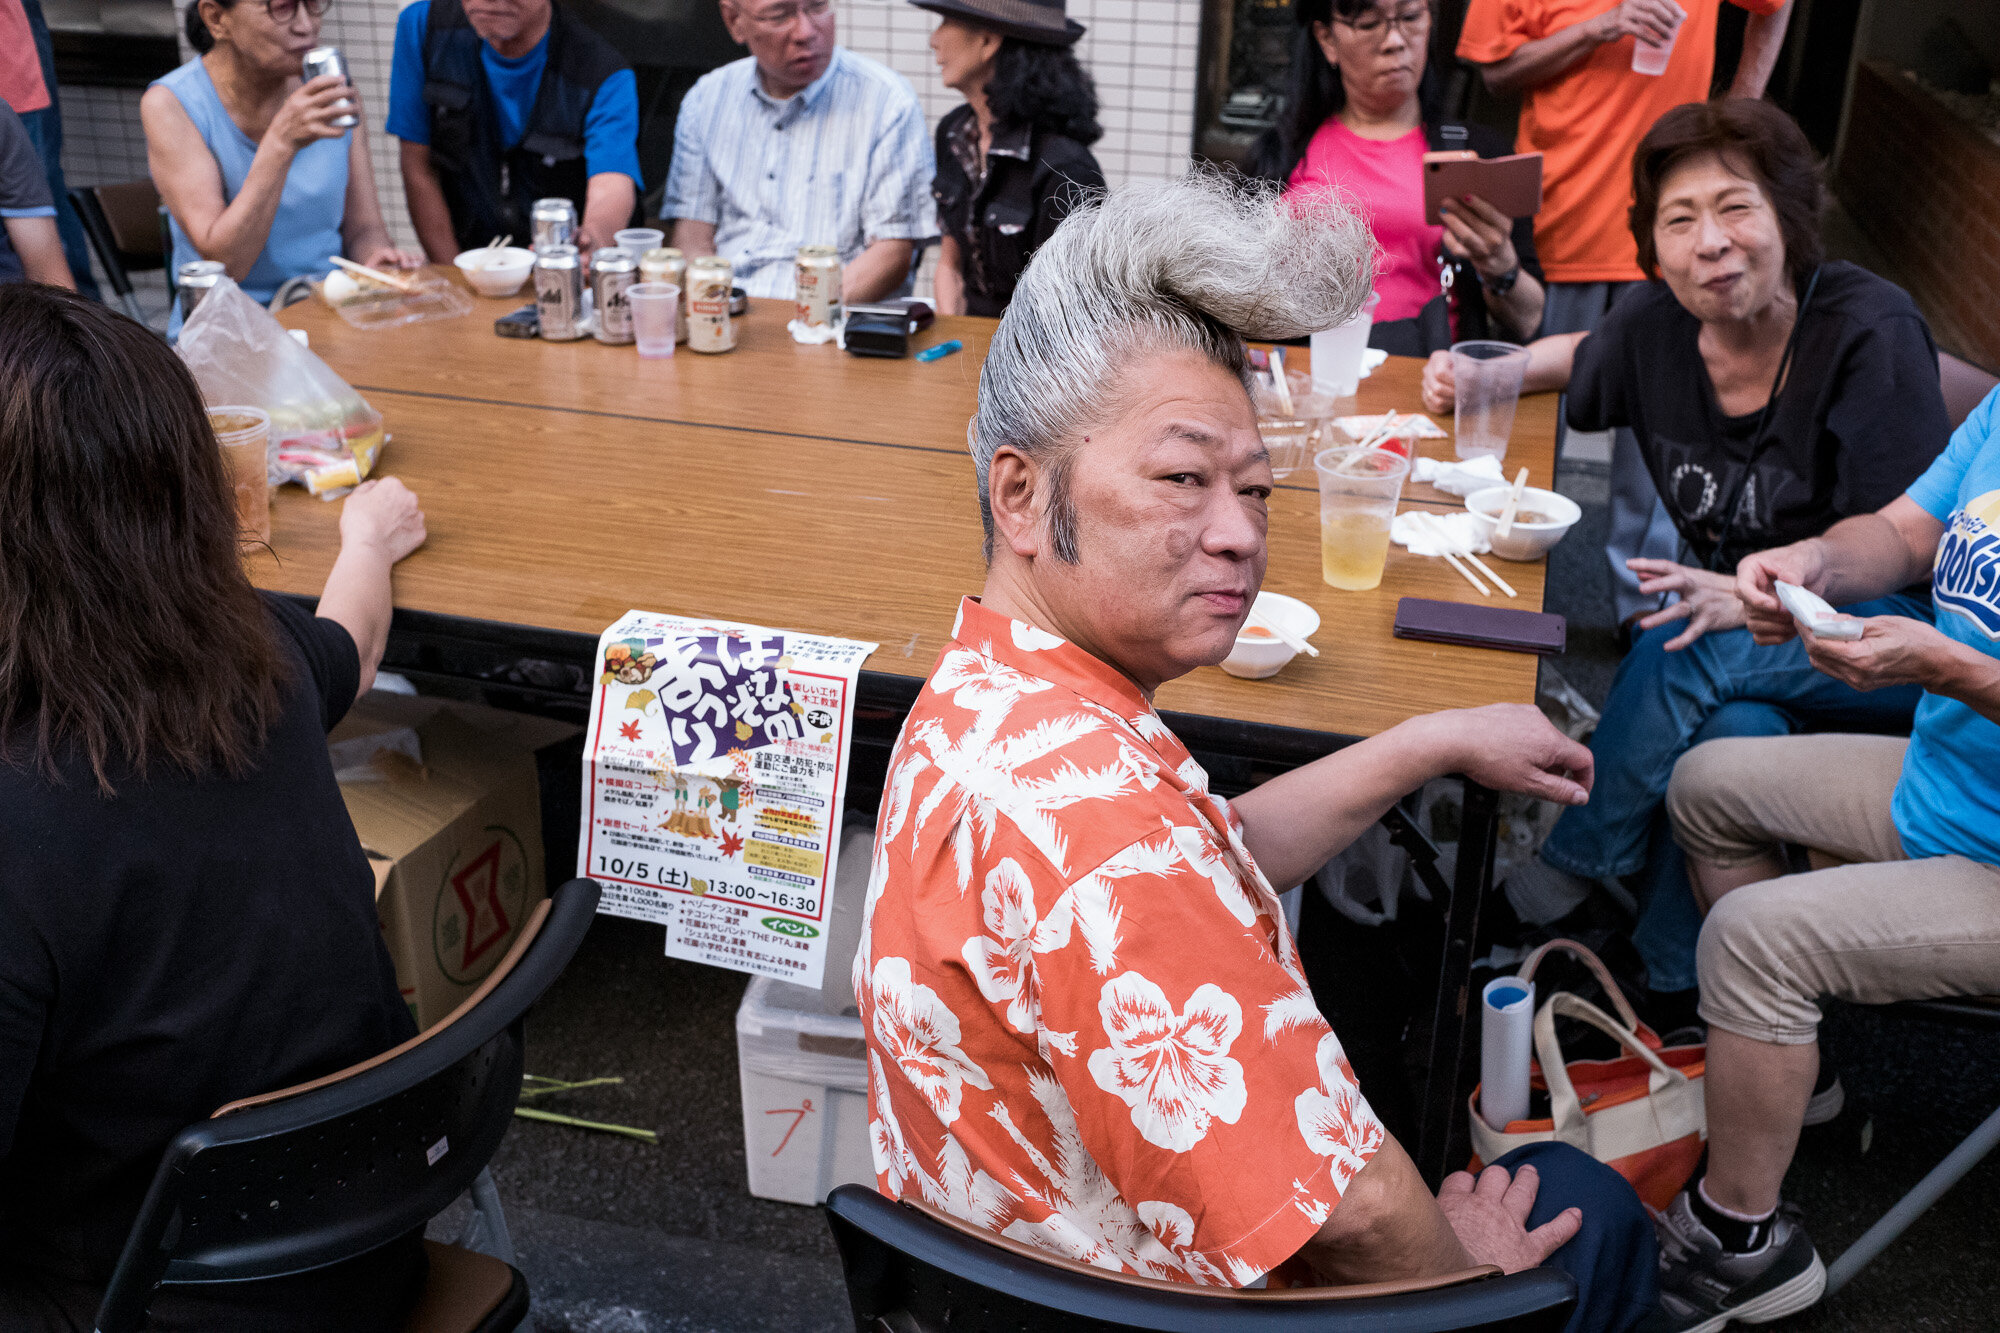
{"x":1142,"y":54}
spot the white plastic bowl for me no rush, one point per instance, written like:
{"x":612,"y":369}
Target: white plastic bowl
{"x":1525,"y":541}
{"x":496,"y":272}
{"x":1256,"y":656}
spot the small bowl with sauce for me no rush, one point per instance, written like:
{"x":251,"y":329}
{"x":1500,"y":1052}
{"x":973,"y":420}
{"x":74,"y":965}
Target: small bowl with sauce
{"x":1258,"y":652}
{"x":1540,"y":520}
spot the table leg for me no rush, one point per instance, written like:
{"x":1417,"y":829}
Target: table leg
{"x":1451,"y":1020}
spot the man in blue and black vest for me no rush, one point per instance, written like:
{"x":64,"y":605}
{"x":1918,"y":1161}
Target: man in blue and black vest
{"x":499,"y":103}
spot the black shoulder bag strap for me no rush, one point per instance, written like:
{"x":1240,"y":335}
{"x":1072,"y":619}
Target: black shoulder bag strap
{"x":1758,"y":441}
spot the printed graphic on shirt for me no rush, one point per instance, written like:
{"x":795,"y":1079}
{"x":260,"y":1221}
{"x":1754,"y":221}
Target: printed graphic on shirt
{"x":1698,"y":487}
{"x":1967,"y":578}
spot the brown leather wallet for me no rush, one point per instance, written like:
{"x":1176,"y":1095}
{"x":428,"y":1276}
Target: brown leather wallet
{"x":1477,"y":626}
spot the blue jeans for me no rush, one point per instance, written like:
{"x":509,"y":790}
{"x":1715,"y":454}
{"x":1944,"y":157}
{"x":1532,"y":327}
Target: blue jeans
{"x":1614,"y":1258}
{"x":1661,"y":706}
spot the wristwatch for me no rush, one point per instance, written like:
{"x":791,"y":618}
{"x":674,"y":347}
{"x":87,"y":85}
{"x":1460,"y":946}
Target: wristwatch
{"x":1503,"y":284}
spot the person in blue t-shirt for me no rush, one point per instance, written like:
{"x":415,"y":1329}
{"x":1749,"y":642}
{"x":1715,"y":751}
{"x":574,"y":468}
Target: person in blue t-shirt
{"x":1909,"y":830}
{"x":499,"y":103}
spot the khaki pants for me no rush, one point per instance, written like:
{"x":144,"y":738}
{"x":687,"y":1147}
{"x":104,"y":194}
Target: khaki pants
{"x":1887,"y":928}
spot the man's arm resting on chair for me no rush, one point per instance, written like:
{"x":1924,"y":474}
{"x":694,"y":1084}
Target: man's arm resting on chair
{"x":39,"y":245}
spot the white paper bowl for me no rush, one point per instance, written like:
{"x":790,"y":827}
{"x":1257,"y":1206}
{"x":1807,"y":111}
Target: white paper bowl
{"x":496,"y":272}
{"x":1525,"y":541}
{"x":1256,"y":656}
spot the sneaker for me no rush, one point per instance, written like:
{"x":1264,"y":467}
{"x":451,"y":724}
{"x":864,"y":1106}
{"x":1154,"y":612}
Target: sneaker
{"x":1704,"y":1287}
{"x":1828,"y":1097}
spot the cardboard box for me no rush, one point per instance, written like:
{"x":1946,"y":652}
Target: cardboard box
{"x":454,"y":833}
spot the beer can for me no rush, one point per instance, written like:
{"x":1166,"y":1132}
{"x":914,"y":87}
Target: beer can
{"x":559,"y":293}
{"x":554,"y":223}
{"x":710,"y":327}
{"x":196,"y":279}
{"x":328,"y":60}
{"x":667,"y":264}
{"x":612,"y":274}
{"x":817,"y":286}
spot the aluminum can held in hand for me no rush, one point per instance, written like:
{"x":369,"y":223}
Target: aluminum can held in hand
{"x":612,"y":273}
{"x":554,"y":223}
{"x":817,"y":284}
{"x":328,"y":60}
{"x":195,"y":280}
{"x":667,"y":264}
{"x":559,"y":293}
{"x":710,"y":326}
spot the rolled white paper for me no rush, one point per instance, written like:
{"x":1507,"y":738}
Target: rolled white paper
{"x":1506,"y":1046}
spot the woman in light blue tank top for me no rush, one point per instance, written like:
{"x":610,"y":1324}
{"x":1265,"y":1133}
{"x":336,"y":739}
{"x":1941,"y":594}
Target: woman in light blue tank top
{"x":247,"y":158}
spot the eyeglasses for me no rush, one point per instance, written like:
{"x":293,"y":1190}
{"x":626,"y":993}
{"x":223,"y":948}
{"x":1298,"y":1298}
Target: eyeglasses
{"x":1374,"y":25}
{"x":783,"y":16}
{"x":281,"y":11}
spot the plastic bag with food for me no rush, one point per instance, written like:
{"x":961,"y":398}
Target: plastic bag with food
{"x":324,"y":435}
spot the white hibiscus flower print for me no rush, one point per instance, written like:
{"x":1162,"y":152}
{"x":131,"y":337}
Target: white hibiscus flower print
{"x":1174,"y":1230}
{"x":1172,"y":1069}
{"x":915,"y":1029}
{"x":1336,"y":1121}
{"x":1032,"y":639}
{"x":1002,"y":961}
{"x":980,"y":684}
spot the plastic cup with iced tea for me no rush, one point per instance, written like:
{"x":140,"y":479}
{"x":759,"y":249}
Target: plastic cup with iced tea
{"x":655,"y":308}
{"x":1358,"y":490}
{"x":244,"y":434}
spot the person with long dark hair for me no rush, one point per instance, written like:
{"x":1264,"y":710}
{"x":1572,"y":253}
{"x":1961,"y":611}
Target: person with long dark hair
{"x":1016,"y":157}
{"x":1361,"y":112}
{"x":186,"y":915}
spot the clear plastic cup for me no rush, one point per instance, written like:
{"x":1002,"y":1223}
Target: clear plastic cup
{"x":636,"y":241}
{"x":1650,"y":59}
{"x":1336,"y":352}
{"x":244,"y":434}
{"x":1293,"y":437}
{"x":1358,"y":490}
{"x":1486,"y":380}
{"x":655,"y":311}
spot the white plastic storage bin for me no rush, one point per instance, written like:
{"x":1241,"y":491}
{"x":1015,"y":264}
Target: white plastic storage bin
{"x":805,"y":1094}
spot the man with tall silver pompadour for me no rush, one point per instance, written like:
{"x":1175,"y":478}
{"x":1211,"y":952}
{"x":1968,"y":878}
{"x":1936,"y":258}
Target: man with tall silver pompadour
{"x":1088,"y":1028}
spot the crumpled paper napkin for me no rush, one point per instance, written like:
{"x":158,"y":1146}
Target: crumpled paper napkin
{"x":1459,"y":477}
{"x":1404,"y":530}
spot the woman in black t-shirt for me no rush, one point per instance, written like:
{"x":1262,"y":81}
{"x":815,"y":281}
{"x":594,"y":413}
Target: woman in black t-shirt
{"x":1772,"y":394}
{"x":1014,"y":159}
{"x":186,"y":916}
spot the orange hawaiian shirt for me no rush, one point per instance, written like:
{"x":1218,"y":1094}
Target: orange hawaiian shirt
{"x":1087,"y":1024}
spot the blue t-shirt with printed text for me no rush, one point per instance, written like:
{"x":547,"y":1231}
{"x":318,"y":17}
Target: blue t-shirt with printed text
{"x":610,"y":128}
{"x":1948,"y":800}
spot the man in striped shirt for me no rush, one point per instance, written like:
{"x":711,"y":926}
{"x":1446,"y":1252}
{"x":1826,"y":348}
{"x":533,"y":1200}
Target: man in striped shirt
{"x":802,"y":142}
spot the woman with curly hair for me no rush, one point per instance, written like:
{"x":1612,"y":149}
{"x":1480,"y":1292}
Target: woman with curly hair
{"x":1016,"y":157}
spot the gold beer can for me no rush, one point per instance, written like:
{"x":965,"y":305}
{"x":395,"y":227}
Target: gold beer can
{"x":666,"y":264}
{"x":817,"y":285}
{"x":710,"y":328}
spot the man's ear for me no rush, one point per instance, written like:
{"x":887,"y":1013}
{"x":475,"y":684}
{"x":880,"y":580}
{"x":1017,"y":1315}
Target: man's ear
{"x":1014,"y":492}
{"x":732,"y":19}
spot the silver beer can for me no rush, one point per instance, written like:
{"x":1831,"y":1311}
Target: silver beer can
{"x":554,"y":222}
{"x":195,"y":280}
{"x":667,"y":264}
{"x":817,"y":284}
{"x":612,"y":273}
{"x":559,"y":293}
{"x":710,"y":328}
{"x":328,"y":60}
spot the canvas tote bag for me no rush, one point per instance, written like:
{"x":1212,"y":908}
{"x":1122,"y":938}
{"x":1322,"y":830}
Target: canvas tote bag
{"x":1640,"y":1112}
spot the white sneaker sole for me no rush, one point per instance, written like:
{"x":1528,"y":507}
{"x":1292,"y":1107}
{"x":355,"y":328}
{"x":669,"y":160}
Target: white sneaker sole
{"x":1827,"y":1104}
{"x":1798,"y":1294}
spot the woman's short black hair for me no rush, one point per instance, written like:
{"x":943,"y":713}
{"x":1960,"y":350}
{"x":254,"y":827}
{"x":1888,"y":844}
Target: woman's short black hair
{"x":1756,"y":141}
{"x":1044,"y":87}
{"x":198,"y":35}
{"x":1314,"y":92}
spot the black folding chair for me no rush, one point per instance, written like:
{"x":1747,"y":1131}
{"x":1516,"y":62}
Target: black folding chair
{"x":324,"y":1172}
{"x":912,"y":1269}
{"x":126,"y":231}
{"x":1970,"y":1012}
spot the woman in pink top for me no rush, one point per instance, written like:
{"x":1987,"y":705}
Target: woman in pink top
{"x":1356,"y":121}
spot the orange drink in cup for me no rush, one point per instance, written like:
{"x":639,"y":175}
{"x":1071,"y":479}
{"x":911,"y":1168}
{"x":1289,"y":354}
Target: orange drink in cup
{"x":244,"y":434}
{"x":1358,"y":490}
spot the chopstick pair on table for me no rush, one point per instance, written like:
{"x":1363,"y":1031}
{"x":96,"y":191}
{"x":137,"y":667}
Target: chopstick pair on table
{"x":1452,"y":549}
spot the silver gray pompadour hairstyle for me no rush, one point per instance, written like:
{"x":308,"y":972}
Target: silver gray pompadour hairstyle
{"x":1196,"y":264}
